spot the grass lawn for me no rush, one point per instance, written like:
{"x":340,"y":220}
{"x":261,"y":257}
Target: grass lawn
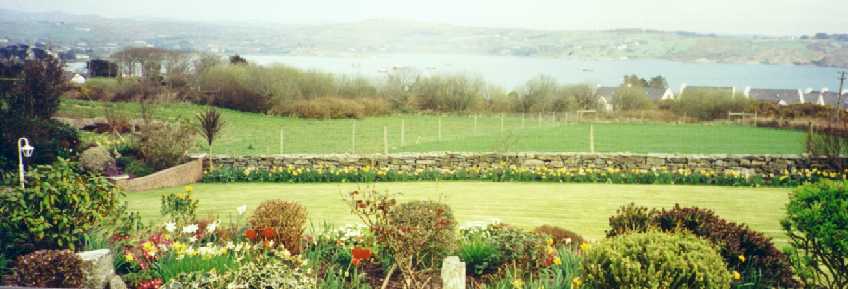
{"x":252,"y":134}
{"x":584,"y":208}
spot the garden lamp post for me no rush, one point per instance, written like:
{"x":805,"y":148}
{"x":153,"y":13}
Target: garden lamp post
{"x":24,"y":150}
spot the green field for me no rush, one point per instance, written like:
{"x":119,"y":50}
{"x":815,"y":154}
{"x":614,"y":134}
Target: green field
{"x":584,"y":208}
{"x":252,"y":134}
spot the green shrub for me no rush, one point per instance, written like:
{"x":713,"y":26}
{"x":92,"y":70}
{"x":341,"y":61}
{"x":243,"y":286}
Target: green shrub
{"x":480,"y":255}
{"x":631,"y":98}
{"x":134,"y":167}
{"x":165,"y":145}
{"x":519,"y":248}
{"x":561,"y":237}
{"x":58,"y":207}
{"x":417,"y":216}
{"x":50,"y":269}
{"x":51,"y":138}
{"x":96,"y":159}
{"x":760,"y":261}
{"x":817,"y":226}
{"x":286,"y":219}
{"x":705,"y":104}
{"x":654,"y":260}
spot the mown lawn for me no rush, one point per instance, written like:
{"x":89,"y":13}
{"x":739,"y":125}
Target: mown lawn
{"x":584,"y":208}
{"x":252,"y":134}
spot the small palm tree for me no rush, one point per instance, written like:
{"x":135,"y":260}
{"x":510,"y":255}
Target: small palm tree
{"x":211,"y":124}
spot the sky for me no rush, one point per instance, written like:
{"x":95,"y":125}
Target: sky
{"x":770,"y":17}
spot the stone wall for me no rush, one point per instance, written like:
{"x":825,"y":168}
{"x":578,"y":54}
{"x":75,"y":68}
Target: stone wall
{"x":183,"y":174}
{"x":762,"y":164}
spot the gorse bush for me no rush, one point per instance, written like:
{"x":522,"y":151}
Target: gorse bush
{"x":286,"y":219}
{"x":180,"y":207}
{"x":418,"y":216}
{"x":630,"y":218}
{"x":50,"y":269}
{"x":817,"y":226}
{"x":654,"y":260}
{"x":744,"y":250}
{"x":58,"y":207}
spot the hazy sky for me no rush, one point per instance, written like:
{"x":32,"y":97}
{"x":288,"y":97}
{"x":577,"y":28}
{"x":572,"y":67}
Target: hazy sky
{"x":789,"y":17}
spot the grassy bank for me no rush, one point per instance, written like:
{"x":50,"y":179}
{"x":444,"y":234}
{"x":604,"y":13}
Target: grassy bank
{"x":252,"y":134}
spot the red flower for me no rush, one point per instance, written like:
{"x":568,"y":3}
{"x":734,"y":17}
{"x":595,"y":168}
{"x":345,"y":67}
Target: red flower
{"x":355,"y":261}
{"x":250,"y":234}
{"x":361,"y":253}
{"x":268,"y":233}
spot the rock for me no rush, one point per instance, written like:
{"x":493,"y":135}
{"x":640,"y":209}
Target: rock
{"x":453,"y":273}
{"x":117,"y":283}
{"x":533,"y":163}
{"x":98,"y":268}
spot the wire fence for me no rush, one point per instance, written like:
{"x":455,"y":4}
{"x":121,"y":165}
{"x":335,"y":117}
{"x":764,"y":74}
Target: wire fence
{"x":536,"y":132}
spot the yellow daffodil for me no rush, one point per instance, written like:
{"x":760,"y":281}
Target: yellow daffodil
{"x":189,"y":189}
{"x":557,"y":261}
{"x":576,"y":283}
{"x":737,"y":276}
{"x":742,"y":259}
{"x":549,"y":241}
{"x":585,"y":247}
{"x":518,"y":284}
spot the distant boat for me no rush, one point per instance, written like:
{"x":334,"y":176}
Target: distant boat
{"x":587,"y":69}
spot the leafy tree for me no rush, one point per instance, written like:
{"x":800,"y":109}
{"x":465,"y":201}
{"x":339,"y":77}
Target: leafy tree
{"x":631,"y":98}
{"x":634,"y":81}
{"x":102,"y":68}
{"x":658,"y":82}
{"x":29,"y":96}
{"x":237,"y":60}
{"x":533,"y":95}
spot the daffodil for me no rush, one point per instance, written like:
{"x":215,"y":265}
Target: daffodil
{"x":585,"y":247}
{"x":742,"y":259}
{"x":737,"y":276}
{"x":518,"y":284}
{"x":576,"y":283}
{"x":557,"y":261}
{"x":190,"y":229}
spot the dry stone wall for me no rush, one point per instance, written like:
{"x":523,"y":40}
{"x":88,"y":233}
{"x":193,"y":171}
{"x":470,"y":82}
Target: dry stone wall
{"x":761,"y":164}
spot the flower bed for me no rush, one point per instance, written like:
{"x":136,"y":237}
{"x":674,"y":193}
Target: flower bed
{"x":658,"y":175}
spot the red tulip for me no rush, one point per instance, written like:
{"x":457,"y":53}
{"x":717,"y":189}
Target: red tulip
{"x":250,"y":234}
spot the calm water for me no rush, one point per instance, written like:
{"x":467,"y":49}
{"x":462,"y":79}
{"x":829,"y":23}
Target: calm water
{"x":509,"y":72}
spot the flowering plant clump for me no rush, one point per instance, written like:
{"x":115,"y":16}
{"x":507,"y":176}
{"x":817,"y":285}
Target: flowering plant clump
{"x":179,"y":206}
{"x":504,"y":173}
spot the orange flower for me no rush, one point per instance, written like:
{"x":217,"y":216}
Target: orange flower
{"x":250,"y":234}
{"x":355,"y":261}
{"x":361,"y":253}
{"x":268,"y":233}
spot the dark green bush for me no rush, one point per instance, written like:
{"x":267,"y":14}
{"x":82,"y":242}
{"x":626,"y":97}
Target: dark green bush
{"x":519,"y":248}
{"x":50,"y":138}
{"x":759,"y":259}
{"x":286,"y":219}
{"x":134,"y":167}
{"x":817,"y":226}
{"x":50,"y":269}
{"x":422,"y":216}
{"x":59,"y":206}
{"x":654,"y":260}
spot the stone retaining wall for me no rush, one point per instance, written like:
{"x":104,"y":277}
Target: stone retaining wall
{"x":183,"y":174}
{"x":763,"y":164}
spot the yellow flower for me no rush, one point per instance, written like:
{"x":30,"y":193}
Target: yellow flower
{"x":557,"y":261}
{"x":189,"y":188}
{"x":549,"y":241}
{"x":736,"y":275}
{"x":518,"y":284}
{"x":741,"y":258}
{"x":576,"y":283}
{"x":550,"y":250}
{"x":129,"y":257}
{"x":585,"y":247}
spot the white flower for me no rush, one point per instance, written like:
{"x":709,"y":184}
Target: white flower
{"x":230,"y":245}
{"x":211,"y":227}
{"x":192,"y":239}
{"x":190,"y":229}
{"x":241,"y":210}
{"x":170,"y":227}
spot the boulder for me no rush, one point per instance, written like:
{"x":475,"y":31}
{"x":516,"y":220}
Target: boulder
{"x":117,"y":283}
{"x":98,"y":267}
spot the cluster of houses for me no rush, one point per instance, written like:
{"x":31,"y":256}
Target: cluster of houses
{"x":823,"y":97}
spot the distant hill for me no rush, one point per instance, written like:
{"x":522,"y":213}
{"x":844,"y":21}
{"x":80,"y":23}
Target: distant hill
{"x":101,"y":36}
